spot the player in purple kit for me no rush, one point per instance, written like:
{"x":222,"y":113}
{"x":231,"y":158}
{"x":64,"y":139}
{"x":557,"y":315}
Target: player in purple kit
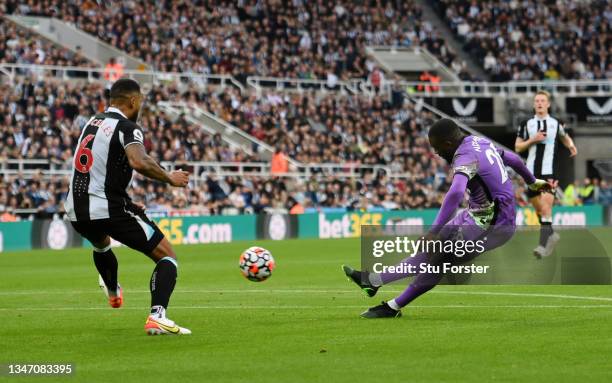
{"x":480,"y":168}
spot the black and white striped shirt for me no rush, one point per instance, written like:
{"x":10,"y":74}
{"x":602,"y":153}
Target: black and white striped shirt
{"x":101,"y":171}
{"x":541,"y":156}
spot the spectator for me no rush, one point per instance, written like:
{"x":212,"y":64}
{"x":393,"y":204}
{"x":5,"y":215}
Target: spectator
{"x":534,"y":39}
{"x":304,"y":39}
{"x":605,"y":193}
{"x":113,"y":70}
{"x":280,"y":164}
{"x":586,"y":192}
{"x":7,"y":215}
{"x":20,"y":46}
{"x":334,"y":128}
{"x":570,"y":195}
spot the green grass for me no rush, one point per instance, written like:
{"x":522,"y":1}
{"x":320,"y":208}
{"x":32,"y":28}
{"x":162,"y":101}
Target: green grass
{"x":302,"y":325}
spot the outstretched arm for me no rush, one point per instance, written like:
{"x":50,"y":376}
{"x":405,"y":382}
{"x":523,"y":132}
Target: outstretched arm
{"x":141,"y":162}
{"x":516,"y":163}
{"x":451,"y":202}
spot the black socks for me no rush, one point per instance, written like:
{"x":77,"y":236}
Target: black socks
{"x":163,"y":281}
{"x":546,"y":230}
{"x":106,"y":263}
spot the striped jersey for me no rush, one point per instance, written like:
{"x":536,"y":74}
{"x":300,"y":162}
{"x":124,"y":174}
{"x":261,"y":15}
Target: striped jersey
{"x":541,"y":156}
{"x":101,"y":172}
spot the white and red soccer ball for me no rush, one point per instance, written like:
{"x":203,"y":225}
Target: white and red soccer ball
{"x":256,"y":264}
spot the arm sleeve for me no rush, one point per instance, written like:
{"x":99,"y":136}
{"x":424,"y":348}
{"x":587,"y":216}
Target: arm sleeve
{"x":130,"y":133}
{"x":522,"y":131}
{"x":465,"y":163}
{"x":561,"y":129}
{"x":516,"y":163}
{"x":451,"y":203}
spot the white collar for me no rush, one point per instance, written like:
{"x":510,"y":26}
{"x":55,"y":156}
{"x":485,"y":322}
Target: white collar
{"x":112,"y":109}
{"x":541,"y":119}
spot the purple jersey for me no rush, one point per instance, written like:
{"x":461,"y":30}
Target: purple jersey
{"x":482,"y":163}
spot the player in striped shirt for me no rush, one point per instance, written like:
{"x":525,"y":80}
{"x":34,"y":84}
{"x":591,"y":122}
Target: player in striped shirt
{"x":99,"y":207}
{"x":539,"y":137}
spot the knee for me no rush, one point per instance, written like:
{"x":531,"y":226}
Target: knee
{"x":102,"y":246}
{"x":163,"y":250}
{"x":546,"y":208}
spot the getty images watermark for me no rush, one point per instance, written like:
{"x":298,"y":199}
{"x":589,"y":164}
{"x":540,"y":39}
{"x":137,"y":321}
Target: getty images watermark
{"x":478,"y":255}
{"x":412,"y":247}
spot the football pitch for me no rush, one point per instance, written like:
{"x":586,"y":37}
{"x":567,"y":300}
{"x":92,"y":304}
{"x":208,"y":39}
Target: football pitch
{"x":301,"y":325}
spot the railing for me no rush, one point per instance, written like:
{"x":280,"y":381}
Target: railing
{"x":28,"y":168}
{"x":201,"y":170}
{"x":301,"y":85}
{"x":97,"y":74}
{"x":569,"y":87}
{"x":214,"y":124}
{"x":434,"y":63}
{"x":353,"y":86}
{"x":178,"y":109}
{"x":461,"y":88}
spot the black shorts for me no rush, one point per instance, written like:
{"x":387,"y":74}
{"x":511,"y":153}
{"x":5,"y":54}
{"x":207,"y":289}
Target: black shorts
{"x":545,"y":177}
{"x":136,"y":231}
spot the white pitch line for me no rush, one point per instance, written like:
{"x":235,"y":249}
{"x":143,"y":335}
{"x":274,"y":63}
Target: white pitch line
{"x":536,"y":295}
{"x":316,"y":291}
{"x":304,"y":307}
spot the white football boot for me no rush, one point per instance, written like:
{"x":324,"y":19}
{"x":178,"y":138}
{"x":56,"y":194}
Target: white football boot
{"x":158,"y":324}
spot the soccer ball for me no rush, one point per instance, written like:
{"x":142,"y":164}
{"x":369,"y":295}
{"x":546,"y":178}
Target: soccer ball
{"x":256,"y":264}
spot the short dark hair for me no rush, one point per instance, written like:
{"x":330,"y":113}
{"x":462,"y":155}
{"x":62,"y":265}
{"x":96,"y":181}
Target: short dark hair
{"x":445,"y":128}
{"x":124,"y":87}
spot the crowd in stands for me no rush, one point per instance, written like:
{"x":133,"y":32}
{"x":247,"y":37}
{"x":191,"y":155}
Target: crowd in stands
{"x":535,"y":40}
{"x":19,"y":46}
{"x":42,"y":120}
{"x":313,"y":128}
{"x":586,"y":192}
{"x":298,"y":39}
{"x":513,"y":40}
{"x":42,"y":197}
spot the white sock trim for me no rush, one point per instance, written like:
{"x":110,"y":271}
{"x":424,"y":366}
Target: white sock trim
{"x":393,"y":305}
{"x":169,"y":259}
{"x":159,"y":311}
{"x":546,"y":219}
{"x":104,"y":250}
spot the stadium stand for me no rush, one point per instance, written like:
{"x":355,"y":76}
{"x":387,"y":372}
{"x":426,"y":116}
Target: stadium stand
{"x":42,"y":119}
{"x":41,"y":116}
{"x":19,"y":46}
{"x":298,"y":40}
{"x":330,"y":128}
{"x":534,"y":40}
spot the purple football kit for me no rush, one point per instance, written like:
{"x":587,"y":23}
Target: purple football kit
{"x":480,"y":169}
